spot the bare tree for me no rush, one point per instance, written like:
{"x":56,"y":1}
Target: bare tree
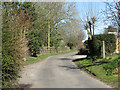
{"x":113,"y":12}
{"x":90,"y":19}
{"x":113,"y":15}
{"x":55,"y":15}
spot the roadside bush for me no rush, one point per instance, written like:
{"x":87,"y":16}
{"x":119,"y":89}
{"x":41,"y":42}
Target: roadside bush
{"x":15,"y":24}
{"x":83,"y":51}
{"x":11,"y":56}
{"x":55,"y":40}
{"x":70,"y":44}
{"x":10,"y":68}
{"x":95,"y":44}
{"x":110,"y":42}
{"x":34,"y":42}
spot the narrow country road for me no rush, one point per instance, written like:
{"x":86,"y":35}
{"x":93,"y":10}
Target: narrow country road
{"x":57,"y":72}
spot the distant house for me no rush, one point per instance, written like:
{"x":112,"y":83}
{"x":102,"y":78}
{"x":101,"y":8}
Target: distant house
{"x":117,"y":41}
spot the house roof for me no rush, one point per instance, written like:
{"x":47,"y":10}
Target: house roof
{"x":115,"y":33}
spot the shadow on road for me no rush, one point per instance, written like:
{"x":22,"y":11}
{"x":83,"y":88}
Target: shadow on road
{"x":94,"y":64}
{"x":65,"y":58}
{"x":25,"y":85}
{"x":70,"y":67}
{"x":80,"y":59}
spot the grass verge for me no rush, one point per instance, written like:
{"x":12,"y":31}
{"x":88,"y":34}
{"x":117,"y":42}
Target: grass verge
{"x":31,"y":60}
{"x":97,"y":69}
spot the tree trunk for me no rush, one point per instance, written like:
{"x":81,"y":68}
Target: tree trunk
{"x":48,"y":35}
{"x":93,"y":28}
{"x":89,"y":34}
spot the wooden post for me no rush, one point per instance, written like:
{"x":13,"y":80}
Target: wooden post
{"x":48,"y":35}
{"x":103,"y":49}
{"x":119,"y":24}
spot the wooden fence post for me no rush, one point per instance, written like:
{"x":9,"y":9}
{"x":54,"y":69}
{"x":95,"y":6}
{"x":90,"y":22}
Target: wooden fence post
{"x":103,"y":49}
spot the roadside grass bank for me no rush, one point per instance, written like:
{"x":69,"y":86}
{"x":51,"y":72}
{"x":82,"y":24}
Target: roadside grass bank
{"x":31,"y":60}
{"x":104,"y":69}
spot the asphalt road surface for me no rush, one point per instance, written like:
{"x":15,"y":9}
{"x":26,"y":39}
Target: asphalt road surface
{"x":57,"y":72}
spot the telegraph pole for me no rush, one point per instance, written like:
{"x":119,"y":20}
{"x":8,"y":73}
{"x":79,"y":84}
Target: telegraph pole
{"x":119,"y":26}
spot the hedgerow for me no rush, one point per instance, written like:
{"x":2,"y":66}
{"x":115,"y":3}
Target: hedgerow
{"x":95,"y":45}
{"x":15,"y":24}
